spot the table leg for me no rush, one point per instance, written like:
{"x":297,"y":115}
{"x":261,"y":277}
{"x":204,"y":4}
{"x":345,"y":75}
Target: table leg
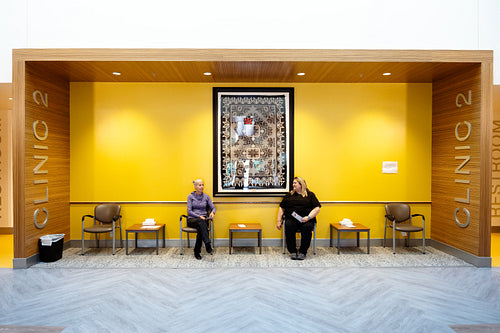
{"x":136,"y":237}
{"x":331,"y":236}
{"x":338,"y":241}
{"x":157,"y":242}
{"x":357,"y":238}
{"x":163,"y":236}
{"x":126,"y":242}
{"x":260,"y":241}
{"x":368,"y":241}
{"x":230,"y":240}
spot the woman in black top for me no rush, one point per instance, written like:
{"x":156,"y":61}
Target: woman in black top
{"x":300,"y":208}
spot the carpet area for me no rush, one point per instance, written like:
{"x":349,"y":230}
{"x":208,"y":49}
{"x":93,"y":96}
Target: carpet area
{"x":271,"y":257}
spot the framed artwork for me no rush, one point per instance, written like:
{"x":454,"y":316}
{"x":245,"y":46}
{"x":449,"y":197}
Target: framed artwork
{"x":253,"y":141}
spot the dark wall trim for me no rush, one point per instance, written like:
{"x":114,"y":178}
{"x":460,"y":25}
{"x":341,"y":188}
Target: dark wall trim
{"x":6,"y":230}
{"x":243,"y":202}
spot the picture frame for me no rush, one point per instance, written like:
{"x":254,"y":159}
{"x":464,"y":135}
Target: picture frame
{"x":253,"y":141}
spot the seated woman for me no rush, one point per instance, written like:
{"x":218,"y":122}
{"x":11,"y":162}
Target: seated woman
{"x":303,"y":203}
{"x":199,"y":205}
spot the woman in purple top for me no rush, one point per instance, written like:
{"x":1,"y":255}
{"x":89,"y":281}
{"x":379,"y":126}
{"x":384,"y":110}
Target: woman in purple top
{"x":200,"y":207}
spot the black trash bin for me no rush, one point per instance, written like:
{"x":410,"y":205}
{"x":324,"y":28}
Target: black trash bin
{"x":51,"y":247}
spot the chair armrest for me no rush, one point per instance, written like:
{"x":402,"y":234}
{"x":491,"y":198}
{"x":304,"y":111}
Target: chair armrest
{"x":420,"y":215}
{"x":83,"y":219}
{"x":180,"y":220}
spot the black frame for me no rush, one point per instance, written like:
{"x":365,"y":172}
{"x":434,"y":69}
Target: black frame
{"x":286,"y":169}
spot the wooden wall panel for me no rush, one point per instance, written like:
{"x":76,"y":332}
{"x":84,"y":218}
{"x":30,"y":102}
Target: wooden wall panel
{"x":46,"y":156}
{"x":456,"y":180}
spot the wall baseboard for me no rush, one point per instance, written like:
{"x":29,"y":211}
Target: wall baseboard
{"x":465,"y":256}
{"x":224,"y":242}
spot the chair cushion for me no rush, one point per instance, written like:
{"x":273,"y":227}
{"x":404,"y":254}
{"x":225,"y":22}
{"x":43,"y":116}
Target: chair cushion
{"x":408,"y":228}
{"x":188,"y":229}
{"x":98,"y":229}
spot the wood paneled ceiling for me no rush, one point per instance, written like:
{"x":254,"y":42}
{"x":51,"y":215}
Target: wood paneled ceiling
{"x":250,"y":71}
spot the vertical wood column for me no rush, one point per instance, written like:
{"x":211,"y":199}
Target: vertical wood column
{"x":461,"y":161}
{"x":43,"y":143}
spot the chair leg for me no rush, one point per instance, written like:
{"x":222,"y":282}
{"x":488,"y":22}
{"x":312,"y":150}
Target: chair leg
{"x":283,"y":237}
{"x":314,"y":239}
{"x":423,"y":241}
{"x":83,"y":242}
{"x":212,"y":233}
{"x":189,"y":245}
{"x":180,"y":242}
{"x":114,"y":239}
{"x":393,"y":239}
{"x":97,"y":240}
{"x":385,"y":231}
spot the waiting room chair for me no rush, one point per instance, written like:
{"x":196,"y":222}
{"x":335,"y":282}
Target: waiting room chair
{"x":399,"y":218}
{"x":283,"y":237}
{"x":183,"y":227}
{"x":106,"y":218}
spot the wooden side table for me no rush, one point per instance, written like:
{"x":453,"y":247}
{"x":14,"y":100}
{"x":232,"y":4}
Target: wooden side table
{"x":137,"y":228}
{"x":245,"y":227}
{"x":357,"y":229}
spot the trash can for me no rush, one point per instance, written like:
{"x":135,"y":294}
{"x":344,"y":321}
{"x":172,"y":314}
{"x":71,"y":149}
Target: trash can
{"x":51,"y":247}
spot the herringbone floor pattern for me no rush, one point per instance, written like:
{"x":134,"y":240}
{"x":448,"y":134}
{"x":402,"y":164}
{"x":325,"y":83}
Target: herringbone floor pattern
{"x":251,"y":299}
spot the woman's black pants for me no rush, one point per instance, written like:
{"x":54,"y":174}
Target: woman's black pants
{"x":292,"y":226}
{"x":201,"y":226}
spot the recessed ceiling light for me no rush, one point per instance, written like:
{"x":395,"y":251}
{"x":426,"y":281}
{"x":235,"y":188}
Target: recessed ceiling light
{"x":10,"y":98}
{"x":386,"y":74}
{"x":117,"y":73}
{"x":301,"y":74}
{"x":207,"y":73}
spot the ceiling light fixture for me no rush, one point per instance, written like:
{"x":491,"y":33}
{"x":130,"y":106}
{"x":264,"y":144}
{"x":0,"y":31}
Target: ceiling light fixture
{"x":386,"y":74}
{"x":117,"y":73}
{"x":301,"y":74}
{"x":207,"y":73}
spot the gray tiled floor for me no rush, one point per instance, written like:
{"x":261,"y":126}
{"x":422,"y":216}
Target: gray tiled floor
{"x":251,"y":300}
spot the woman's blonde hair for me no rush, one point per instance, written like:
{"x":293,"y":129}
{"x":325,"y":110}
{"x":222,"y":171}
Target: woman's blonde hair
{"x":197,"y":181}
{"x":302,"y":183}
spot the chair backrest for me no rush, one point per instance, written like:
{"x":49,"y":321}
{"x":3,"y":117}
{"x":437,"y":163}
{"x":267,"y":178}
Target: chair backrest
{"x":106,"y":213}
{"x":399,"y":212}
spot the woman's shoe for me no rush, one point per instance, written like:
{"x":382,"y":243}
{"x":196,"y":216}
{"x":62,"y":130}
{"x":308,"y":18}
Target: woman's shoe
{"x":197,"y":256}
{"x":293,"y":256}
{"x":209,"y":249}
{"x":301,"y":256}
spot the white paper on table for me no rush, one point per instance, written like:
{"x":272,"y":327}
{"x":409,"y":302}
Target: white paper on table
{"x":242,"y":225}
{"x":149,"y":222}
{"x":347,"y":223}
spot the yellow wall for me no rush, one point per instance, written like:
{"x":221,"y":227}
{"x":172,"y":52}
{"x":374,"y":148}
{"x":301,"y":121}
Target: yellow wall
{"x":147,"y":141}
